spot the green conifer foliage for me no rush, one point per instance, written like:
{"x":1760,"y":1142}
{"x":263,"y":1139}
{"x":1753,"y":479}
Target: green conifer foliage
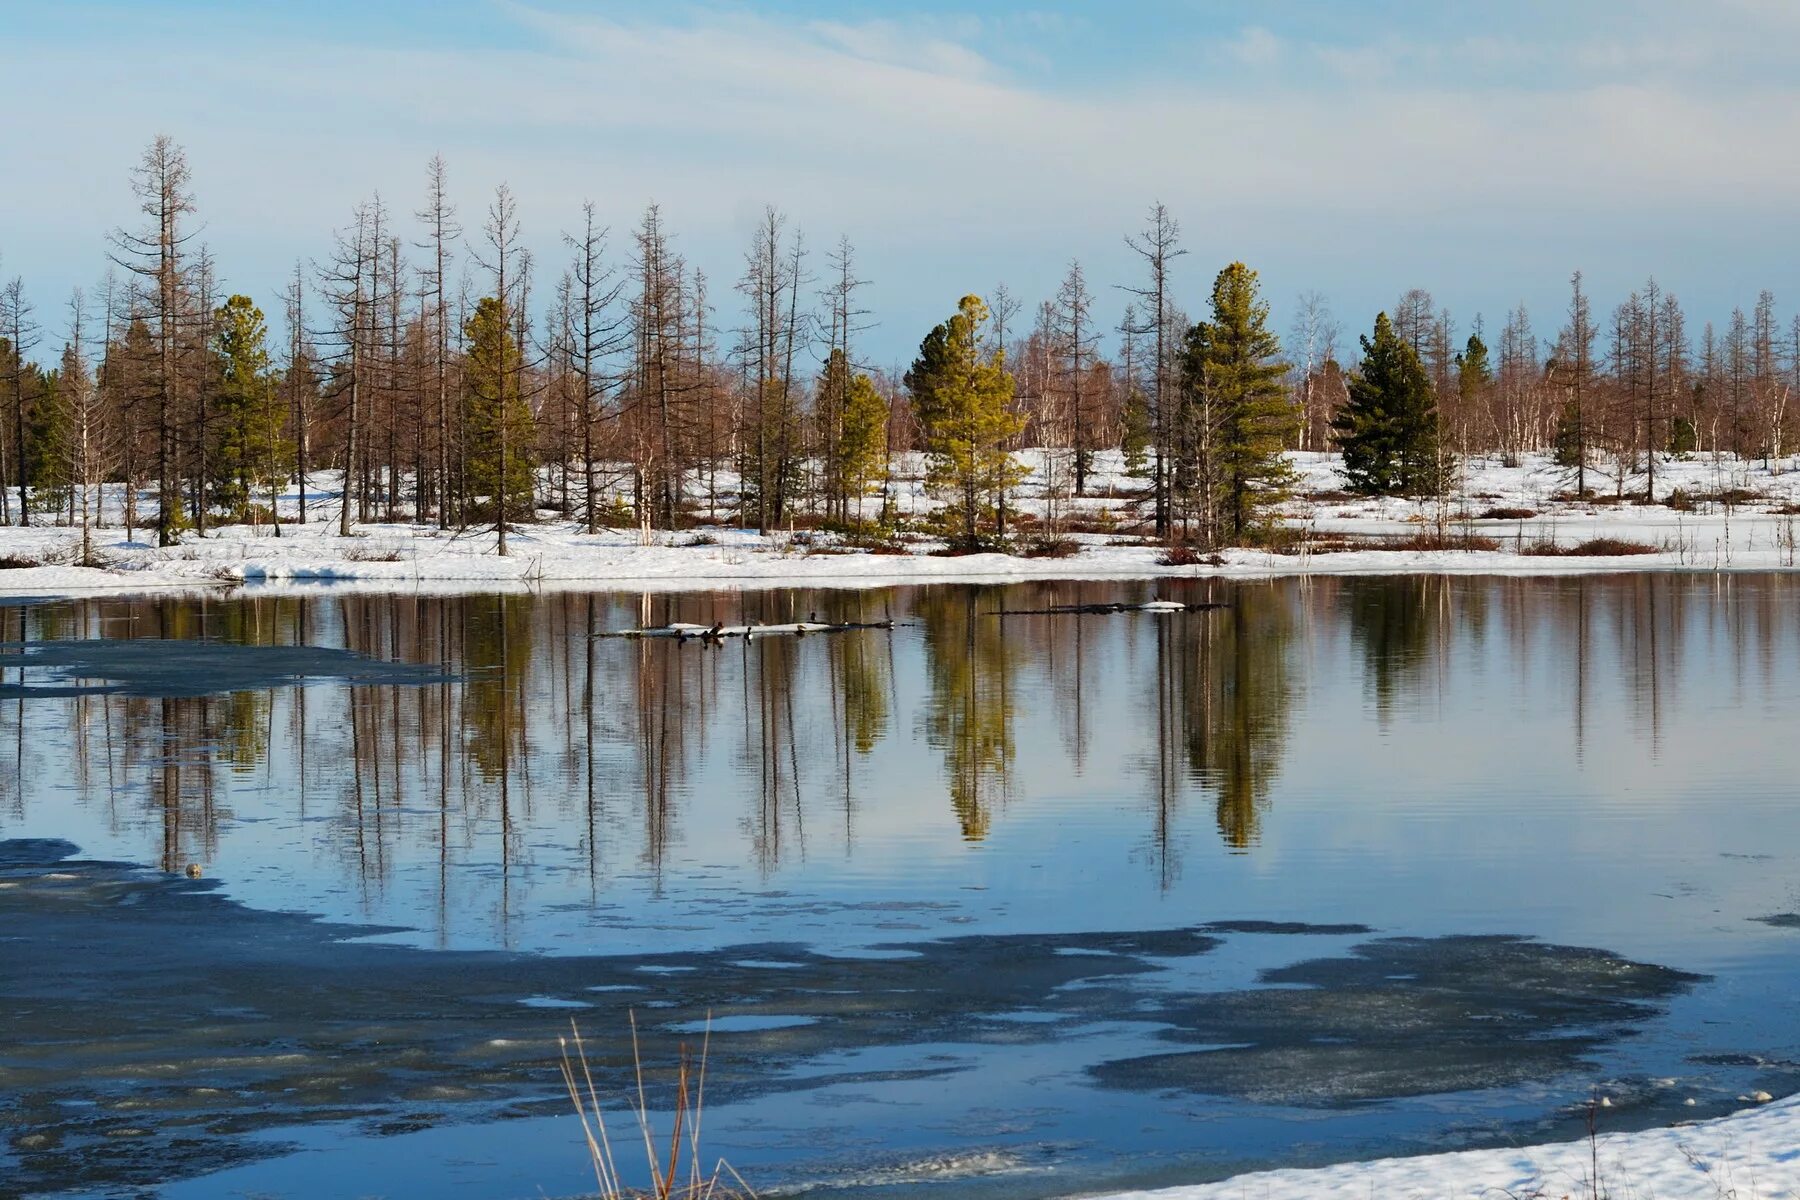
{"x":251,"y":448}
{"x":962,"y":395}
{"x":500,"y":428}
{"x":862,"y":448}
{"x":1388,"y":429}
{"x":1238,"y":365}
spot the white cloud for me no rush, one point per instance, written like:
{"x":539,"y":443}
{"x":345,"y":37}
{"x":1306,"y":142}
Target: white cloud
{"x":942,"y":164}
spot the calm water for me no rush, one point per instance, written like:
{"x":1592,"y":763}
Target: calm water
{"x":1012,"y":905}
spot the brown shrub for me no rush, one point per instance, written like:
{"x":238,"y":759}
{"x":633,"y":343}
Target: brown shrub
{"x":1187,"y":556}
{"x":1509,"y":514}
{"x":1440,"y":541}
{"x":1051,"y":547}
{"x":1602,"y":547}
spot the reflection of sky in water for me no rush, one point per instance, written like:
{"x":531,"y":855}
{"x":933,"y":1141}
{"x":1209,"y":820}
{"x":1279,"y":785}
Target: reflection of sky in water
{"x":1592,"y":761}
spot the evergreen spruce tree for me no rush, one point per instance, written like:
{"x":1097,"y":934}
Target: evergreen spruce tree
{"x":962,"y":393}
{"x":499,"y":424}
{"x":1134,"y":438}
{"x":1473,"y":371}
{"x":250,"y":447}
{"x":1237,"y":363}
{"x":1566,"y":441}
{"x":862,"y":441}
{"x":1387,"y":430}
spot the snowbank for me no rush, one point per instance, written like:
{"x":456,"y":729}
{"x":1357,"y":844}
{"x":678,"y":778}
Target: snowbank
{"x":1751,"y":1155}
{"x":1758,"y":533}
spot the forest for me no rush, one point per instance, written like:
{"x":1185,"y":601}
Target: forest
{"x":429,"y":367}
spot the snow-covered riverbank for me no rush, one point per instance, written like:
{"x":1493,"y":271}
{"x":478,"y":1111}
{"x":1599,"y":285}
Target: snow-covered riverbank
{"x":1520,"y":509}
{"x":1750,"y":1155}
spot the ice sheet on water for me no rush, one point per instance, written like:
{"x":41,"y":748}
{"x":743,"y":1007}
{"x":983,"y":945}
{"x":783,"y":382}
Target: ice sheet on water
{"x":159,"y":668}
{"x":1403,"y":1017}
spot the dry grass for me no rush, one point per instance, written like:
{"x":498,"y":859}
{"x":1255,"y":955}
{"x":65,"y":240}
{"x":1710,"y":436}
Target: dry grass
{"x":673,"y":1160}
{"x":17,"y":562}
{"x":1508,"y":514}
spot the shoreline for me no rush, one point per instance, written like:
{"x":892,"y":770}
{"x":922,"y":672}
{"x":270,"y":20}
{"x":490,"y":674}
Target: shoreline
{"x":406,"y":559}
{"x":1749,"y":1152}
{"x":1515,"y":510}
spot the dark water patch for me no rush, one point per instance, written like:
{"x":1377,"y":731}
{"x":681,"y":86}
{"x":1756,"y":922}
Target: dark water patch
{"x":186,"y":1022}
{"x":1404,"y":1017}
{"x":176,"y":668}
{"x":35,"y":852}
{"x":148,"y":1008}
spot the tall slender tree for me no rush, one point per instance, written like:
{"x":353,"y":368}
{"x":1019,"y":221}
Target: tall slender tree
{"x":1235,"y":376}
{"x":158,"y":254}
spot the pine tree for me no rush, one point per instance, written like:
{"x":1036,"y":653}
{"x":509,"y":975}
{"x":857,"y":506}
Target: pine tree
{"x":1473,"y":371}
{"x":862,"y":439}
{"x":499,"y":467}
{"x":1388,"y":428}
{"x":1239,"y":371}
{"x":1134,"y":434}
{"x":961,"y":394}
{"x":249,"y":412}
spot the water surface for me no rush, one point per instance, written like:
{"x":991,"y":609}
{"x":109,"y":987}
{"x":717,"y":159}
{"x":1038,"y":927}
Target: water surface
{"x":1014,"y":906}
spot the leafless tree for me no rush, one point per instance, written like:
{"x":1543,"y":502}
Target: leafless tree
{"x":157,"y":253}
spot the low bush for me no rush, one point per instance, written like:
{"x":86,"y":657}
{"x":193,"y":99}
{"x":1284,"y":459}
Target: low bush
{"x":375,"y":554}
{"x":962,"y":547}
{"x":1188,"y":556}
{"x":1679,"y":500}
{"x":17,"y":562}
{"x":1602,"y":547}
{"x":1051,"y":547}
{"x":1509,"y":514}
{"x":1338,"y":544}
{"x":1439,"y":541}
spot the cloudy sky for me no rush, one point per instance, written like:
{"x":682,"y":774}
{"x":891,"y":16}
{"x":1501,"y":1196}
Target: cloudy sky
{"x":1482,"y":151}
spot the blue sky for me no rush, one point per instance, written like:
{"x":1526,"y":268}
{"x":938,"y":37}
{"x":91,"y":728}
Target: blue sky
{"x":1480,"y":151}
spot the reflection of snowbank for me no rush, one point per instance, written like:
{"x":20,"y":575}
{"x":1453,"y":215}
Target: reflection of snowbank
{"x":1753,"y":1155}
{"x":1751,"y":535}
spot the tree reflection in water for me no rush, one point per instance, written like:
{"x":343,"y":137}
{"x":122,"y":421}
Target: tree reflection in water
{"x":546,"y":748}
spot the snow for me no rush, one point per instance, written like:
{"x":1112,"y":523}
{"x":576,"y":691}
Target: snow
{"x":1750,"y":1154}
{"x":556,"y":553}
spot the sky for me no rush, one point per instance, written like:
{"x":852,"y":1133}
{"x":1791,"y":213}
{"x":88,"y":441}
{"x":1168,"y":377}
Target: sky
{"x":1480,"y":151}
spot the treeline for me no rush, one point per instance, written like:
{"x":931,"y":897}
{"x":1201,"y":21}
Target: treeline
{"x":449,"y":378}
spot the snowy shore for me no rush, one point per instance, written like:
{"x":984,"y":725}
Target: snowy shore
{"x":1753,"y":528}
{"x":1750,"y":1155}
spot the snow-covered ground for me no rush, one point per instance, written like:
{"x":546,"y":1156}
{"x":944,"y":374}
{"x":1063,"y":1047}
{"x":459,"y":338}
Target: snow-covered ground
{"x":1750,"y":534}
{"x":1750,"y":1155}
